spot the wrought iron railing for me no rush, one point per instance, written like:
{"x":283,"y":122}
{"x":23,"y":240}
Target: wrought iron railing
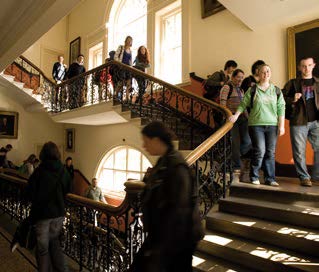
{"x":200,"y":125}
{"x":33,"y":78}
{"x":97,"y":236}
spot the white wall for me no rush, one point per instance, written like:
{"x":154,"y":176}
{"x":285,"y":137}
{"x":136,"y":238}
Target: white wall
{"x":222,"y":36}
{"x":34,"y":129}
{"x":93,"y":142}
{"x":44,"y":52}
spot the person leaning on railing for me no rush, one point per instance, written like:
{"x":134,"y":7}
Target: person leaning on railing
{"x":266,"y":122}
{"x":169,"y":206}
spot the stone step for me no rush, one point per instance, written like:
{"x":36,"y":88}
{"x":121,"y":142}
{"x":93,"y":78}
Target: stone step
{"x":207,"y":263}
{"x":286,"y":193}
{"x":294,"y":238}
{"x":8,"y":77}
{"x":306,"y":217}
{"x":18,"y":84}
{"x":255,"y":255}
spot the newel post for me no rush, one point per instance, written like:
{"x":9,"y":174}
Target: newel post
{"x":136,"y":234}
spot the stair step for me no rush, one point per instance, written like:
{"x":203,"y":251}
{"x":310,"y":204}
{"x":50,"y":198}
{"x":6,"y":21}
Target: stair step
{"x":204,"y":263}
{"x":306,"y":217}
{"x":291,"y":237}
{"x":8,"y":77}
{"x":256,"y":256}
{"x":296,"y":195}
{"x":18,"y":84}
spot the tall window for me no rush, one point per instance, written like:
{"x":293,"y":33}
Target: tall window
{"x":119,"y":165}
{"x":169,"y":52}
{"x":96,"y":56}
{"x":128,"y":18}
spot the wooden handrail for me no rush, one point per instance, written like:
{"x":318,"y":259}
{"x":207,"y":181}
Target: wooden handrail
{"x":37,"y":68}
{"x":131,"y":188}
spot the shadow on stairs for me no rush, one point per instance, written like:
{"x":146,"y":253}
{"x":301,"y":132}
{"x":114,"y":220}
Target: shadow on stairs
{"x":262,"y":228}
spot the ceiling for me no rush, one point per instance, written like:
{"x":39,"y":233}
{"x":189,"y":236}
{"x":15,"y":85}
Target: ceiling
{"x":22,"y":23}
{"x":258,"y":13}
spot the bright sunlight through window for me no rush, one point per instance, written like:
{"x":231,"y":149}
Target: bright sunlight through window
{"x":119,"y":165}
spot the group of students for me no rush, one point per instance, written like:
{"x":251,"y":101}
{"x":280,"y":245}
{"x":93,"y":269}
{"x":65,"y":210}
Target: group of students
{"x":123,"y":54}
{"x":259,"y":110}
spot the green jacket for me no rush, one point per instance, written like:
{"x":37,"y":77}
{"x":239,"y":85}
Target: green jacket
{"x":266,"y":107}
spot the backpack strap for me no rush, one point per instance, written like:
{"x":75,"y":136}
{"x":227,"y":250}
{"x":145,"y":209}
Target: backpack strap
{"x":252,"y":95}
{"x":231,"y":88}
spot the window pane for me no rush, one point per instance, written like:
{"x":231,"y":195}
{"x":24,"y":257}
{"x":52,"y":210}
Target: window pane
{"x":120,"y":179}
{"x":134,"y":160}
{"x":120,"y":159}
{"x":106,"y":180}
{"x":146,"y":164}
{"x":109,"y":162}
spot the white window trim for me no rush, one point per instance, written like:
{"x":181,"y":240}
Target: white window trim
{"x":117,"y":194}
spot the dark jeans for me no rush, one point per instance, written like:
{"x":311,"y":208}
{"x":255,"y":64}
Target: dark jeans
{"x":264,"y":140}
{"x":241,"y":142}
{"x":50,"y":256}
{"x":299,"y":136}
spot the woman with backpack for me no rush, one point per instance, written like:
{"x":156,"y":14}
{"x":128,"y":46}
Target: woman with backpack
{"x":231,"y":94}
{"x":266,"y":122}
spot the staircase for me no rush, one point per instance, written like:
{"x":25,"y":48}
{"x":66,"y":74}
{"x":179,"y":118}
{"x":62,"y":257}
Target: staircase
{"x":261,"y":228}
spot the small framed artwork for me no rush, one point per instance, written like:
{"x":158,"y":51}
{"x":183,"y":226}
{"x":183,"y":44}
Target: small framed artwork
{"x":210,"y":7}
{"x":75,"y":49}
{"x":303,"y":41}
{"x":69,"y":140}
{"x":9,"y":124}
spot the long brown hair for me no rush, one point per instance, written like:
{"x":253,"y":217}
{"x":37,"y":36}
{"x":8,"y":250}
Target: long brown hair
{"x":144,"y":58}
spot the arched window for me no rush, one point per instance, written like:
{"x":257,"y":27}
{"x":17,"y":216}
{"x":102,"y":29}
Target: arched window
{"x":128,"y":18}
{"x":119,"y":165}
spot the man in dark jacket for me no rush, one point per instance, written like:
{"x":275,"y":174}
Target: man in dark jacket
{"x":76,"y":94}
{"x":217,"y":80}
{"x":302,"y":109}
{"x":47,"y":188}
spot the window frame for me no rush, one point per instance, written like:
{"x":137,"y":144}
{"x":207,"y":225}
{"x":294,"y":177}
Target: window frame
{"x":114,"y":193}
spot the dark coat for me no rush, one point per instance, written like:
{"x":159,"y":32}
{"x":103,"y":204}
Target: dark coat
{"x":47,"y":187}
{"x":296,"y":111}
{"x":168,"y":206}
{"x":75,"y":69}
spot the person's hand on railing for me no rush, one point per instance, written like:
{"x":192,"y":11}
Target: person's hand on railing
{"x":234,"y":117}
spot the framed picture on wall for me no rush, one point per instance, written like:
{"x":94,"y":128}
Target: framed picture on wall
{"x":9,"y":124}
{"x":303,"y":41}
{"x":69,"y":140}
{"x":75,"y":50}
{"x":210,"y":7}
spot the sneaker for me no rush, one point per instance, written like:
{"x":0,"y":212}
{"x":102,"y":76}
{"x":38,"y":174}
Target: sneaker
{"x":273,"y":183}
{"x":14,"y":246}
{"x":255,"y":182}
{"x":306,"y":182}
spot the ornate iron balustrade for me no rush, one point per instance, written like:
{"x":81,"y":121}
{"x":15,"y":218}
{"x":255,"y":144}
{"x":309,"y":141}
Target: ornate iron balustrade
{"x":33,"y":78}
{"x":194,"y":119}
{"x":98,"y":237}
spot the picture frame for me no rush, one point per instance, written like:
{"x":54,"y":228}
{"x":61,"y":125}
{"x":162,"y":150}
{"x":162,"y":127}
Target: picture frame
{"x":303,"y":41}
{"x":75,"y":50}
{"x":9,"y":124}
{"x":210,"y":7}
{"x":70,"y":140}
